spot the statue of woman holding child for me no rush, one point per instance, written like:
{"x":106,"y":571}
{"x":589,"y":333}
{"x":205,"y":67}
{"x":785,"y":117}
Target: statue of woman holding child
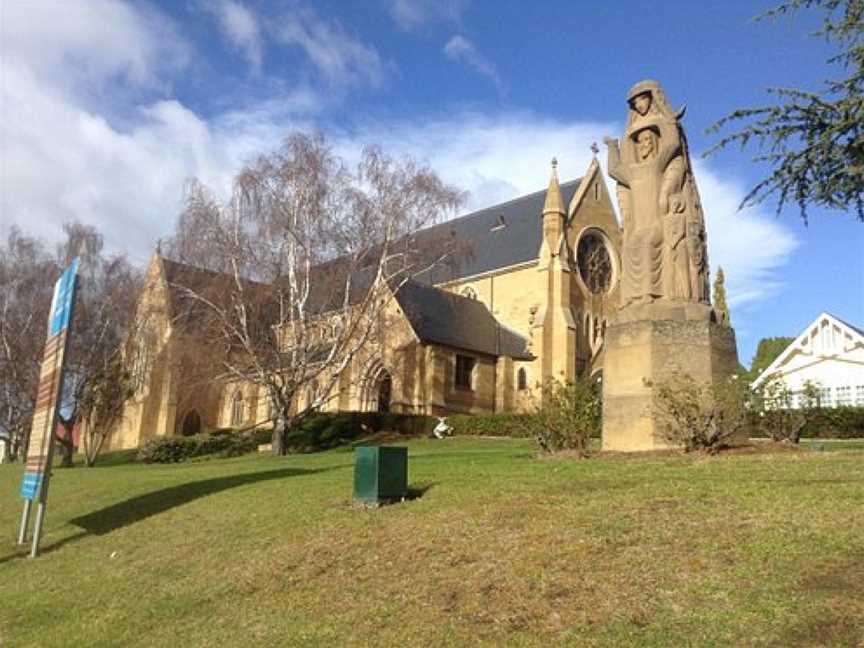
{"x":664,"y":252}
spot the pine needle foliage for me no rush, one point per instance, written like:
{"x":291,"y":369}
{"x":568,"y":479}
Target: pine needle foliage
{"x":812,"y":140}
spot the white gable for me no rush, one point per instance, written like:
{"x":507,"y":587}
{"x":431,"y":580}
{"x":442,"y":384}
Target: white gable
{"x":828,"y":353}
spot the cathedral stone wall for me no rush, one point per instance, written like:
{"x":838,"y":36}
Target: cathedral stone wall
{"x":544,"y":300}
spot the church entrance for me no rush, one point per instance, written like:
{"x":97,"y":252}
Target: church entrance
{"x":191,"y":423}
{"x":385,"y":388}
{"x":377,"y":389}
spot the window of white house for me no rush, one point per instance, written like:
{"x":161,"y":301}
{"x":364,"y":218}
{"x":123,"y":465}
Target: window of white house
{"x":238,"y":409}
{"x":844,"y":395}
{"x":825,"y":397}
{"x":464,"y":372}
{"x":521,"y":379}
{"x":859,"y":395}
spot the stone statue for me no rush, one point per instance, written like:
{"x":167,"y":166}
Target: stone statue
{"x":664,"y":254}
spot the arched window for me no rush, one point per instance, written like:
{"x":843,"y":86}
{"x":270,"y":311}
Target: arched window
{"x":238,"y":409}
{"x":312,"y":390}
{"x":521,"y":379}
{"x":141,"y":363}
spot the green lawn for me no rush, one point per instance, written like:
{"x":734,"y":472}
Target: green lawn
{"x":502,"y":548}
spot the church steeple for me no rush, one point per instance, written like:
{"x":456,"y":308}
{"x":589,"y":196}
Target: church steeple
{"x":554,"y":202}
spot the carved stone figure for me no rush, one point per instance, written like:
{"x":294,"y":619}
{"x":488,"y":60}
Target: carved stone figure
{"x":664,"y":255}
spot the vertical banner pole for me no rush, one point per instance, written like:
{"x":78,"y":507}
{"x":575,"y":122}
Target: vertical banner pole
{"x":37,"y":530}
{"x":25,"y":522}
{"x":43,"y":497}
{"x":40,"y":448}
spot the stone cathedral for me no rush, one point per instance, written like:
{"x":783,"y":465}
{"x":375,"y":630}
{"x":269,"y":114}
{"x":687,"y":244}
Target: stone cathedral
{"x":542,"y":283}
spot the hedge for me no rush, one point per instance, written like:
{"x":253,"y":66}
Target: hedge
{"x":824,"y":423}
{"x":223,"y":443}
{"x":835,"y":423}
{"x":503,"y":425}
{"x":325,"y":431}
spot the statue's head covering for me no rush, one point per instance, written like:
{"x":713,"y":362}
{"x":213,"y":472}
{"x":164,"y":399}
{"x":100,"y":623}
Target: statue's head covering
{"x":646,"y":85}
{"x":660,"y":107}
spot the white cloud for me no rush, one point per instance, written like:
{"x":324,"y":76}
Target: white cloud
{"x":411,"y":14}
{"x":751,"y":245}
{"x":462,"y":50}
{"x":341,"y":58}
{"x":61,"y":161}
{"x":240,"y":26}
{"x":87,"y":43}
{"x":62,"y":158}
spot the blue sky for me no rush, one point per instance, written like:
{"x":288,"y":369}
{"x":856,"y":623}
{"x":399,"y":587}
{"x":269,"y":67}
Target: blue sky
{"x":108,"y":107}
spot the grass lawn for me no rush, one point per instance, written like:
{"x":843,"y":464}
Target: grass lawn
{"x":502,"y":548}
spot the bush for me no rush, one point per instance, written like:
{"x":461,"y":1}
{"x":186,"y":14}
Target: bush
{"x":772,"y":415}
{"x":702,"y":416}
{"x":835,"y":423}
{"x":323,"y":431}
{"x":225,"y":443}
{"x":502,"y":425}
{"x":570,"y":414}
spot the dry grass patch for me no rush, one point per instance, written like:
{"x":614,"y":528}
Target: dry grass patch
{"x":501,"y":548}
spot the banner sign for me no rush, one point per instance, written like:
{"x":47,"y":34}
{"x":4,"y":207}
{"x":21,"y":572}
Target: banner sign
{"x":50,"y":384}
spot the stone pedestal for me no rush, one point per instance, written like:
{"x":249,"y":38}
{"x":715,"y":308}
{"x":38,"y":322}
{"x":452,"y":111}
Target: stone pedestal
{"x":652,"y":344}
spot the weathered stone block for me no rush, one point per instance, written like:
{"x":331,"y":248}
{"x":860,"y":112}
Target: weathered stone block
{"x":643,"y":352}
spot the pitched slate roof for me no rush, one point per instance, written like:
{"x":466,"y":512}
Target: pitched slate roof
{"x":185,"y":309}
{"x":442,"y":317}
{"x":496,"y":237}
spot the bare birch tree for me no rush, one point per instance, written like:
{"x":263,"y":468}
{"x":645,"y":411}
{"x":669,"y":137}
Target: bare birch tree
{"x":27,"y":274}
{"x":103,"y":316}
{"x":310,"y":250}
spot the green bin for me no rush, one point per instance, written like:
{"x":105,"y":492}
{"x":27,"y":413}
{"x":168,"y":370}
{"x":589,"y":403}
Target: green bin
{"x":380,"y":473}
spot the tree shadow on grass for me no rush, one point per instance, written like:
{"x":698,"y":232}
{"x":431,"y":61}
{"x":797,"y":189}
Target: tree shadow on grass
{"x":144,"y":506}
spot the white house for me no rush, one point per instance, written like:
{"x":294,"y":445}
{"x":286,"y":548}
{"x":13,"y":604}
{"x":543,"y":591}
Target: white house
{"x":829,"y":354}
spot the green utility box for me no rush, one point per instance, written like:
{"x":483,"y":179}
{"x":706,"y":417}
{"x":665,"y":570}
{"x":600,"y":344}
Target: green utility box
{"x":380,"y":473}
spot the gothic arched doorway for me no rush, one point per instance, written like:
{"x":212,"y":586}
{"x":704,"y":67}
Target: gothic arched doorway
{"x":385,"y":390}
{"x":377,"y":388}
{"x":191,"y":423}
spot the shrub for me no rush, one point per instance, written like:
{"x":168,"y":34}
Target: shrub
{"x":219,"y":442}
{"x":702,"y":416}
{"x":772,"y":414}
{"x":502,"y":425}
{"x":570,"y":414}
{"x":835,"y":423}
{"x":322,"y":431}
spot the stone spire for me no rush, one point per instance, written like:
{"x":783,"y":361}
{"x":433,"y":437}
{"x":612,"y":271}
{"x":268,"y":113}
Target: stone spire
{"x":554,"y":202}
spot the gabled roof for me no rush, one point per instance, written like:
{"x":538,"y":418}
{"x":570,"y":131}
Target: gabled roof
{"x":442,"y":317}
{"x":496,"y":237}
{"x":796,"y":344}
{"x":855,"y":329}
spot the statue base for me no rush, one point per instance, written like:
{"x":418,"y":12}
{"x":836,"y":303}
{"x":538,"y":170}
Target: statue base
{"x":684,"y":339}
